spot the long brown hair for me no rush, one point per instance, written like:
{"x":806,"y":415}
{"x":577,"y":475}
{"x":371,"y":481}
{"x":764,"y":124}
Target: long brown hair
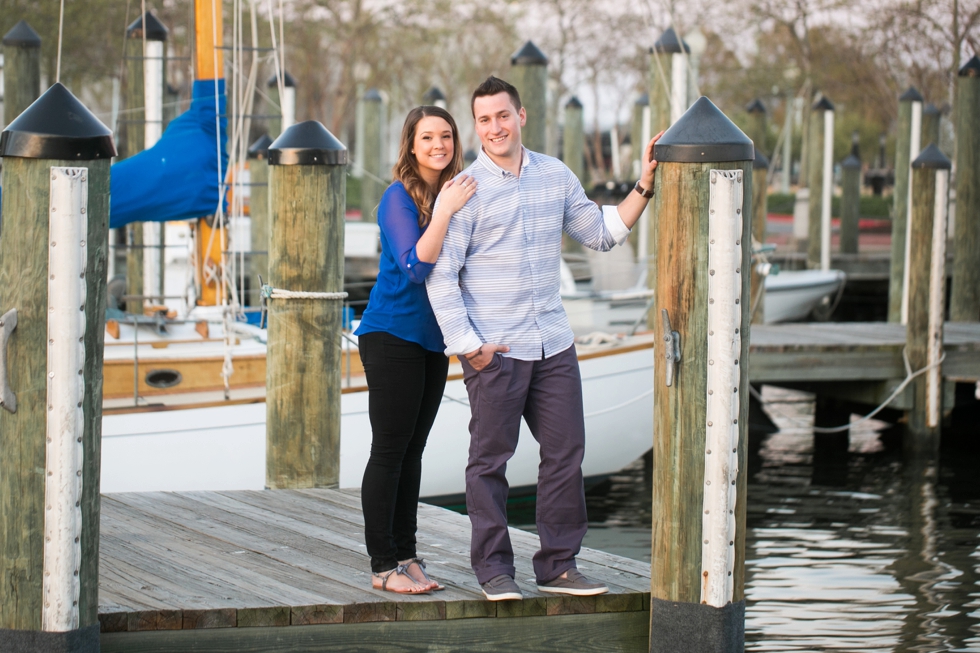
{"x":406,"y":169}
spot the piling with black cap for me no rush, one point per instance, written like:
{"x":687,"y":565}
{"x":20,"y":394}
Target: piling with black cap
{"x":667,"y":82}
{"x":964,"y":305}
{"x":927,"y":291}
{"x":757,"y":127}
{"x":907,"y":145}
{"x":281,"y":106}
{"x":434,"y":97}
{"x":56,"y":158}
{"x":638,"y":129}
{"x":307,"y":199}
{"x":821,"y":182}
{"x":701,"y":254}
{"x":932,"y":120}
{"x":371,"y":155}
{"x":760,"y":197}
{"x":850,"y":203}
{"x":529,"y":74}
{"x":21,"y":70}
{"x":573,"y":141}
{"x":258,"y":205}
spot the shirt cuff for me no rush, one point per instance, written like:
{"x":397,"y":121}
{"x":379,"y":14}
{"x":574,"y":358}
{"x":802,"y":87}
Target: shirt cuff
{"x":470,"y":342}
{"x":617,"y":228}
{"x":417,"y":270}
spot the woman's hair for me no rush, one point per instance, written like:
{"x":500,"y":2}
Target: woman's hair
{"x":406,"y":169}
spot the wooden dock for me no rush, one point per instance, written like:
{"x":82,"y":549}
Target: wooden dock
{"x":286,"y":570}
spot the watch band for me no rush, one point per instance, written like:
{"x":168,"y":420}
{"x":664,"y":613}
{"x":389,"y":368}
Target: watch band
{"x":643,"y":191}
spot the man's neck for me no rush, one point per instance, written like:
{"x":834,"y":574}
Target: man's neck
{"x":511,"y":164}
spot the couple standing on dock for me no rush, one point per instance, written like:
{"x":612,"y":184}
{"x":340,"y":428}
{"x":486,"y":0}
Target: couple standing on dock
{"x":470,"y":267}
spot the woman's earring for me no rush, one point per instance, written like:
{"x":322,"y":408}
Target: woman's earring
{"x":413,"y":151}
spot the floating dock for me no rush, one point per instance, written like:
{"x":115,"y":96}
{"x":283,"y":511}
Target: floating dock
{"x":286,"y":570}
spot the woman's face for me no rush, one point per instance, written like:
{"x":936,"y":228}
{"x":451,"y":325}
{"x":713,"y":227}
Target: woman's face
{"x":433,"y":144}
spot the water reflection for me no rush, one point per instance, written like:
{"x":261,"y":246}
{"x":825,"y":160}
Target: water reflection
{"x":852,"y":549}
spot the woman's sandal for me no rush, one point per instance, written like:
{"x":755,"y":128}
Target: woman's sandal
{"x":402,"y":570}
{"x":435,"y":586}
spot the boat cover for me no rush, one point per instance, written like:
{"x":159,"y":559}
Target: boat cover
{"x":178,"y":178}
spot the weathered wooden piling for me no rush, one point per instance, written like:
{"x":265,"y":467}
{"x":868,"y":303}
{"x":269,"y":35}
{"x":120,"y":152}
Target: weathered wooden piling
{"x":529,"y":74}
{"x":907,"y":145}
{"x":927,"y":287}
{"x":307,"y":199}
{"x":371,"y":155}
{"x":821,"y":176}
{"x":667,"y":83}
{"x":282,"y":105}
{"x":21,"y":69}
{"x":258,"y":205}
{"x":639,"y":127}
{"x":760,"y":197}
{"x":932,"y":120}
{"x":850,"y":203}
{"x":701,"y":248}
{"x":573,"y":141}
{"x":53,"y":262}
{"x":757,"y":127}
{"x":964,"y":305}
{"x":434,"y":97}
{"x":787,"y":162}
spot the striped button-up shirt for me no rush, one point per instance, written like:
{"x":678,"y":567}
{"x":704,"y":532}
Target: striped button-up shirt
{"x":498,"y":275}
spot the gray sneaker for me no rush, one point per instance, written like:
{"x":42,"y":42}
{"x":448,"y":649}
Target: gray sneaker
{"x":575,"y":584}
{"x":502,"y":588}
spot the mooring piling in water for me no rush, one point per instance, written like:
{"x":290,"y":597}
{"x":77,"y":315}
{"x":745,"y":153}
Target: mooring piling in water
{"x":573,"y":141}
{"x":529,"y":74}
{"x":21,"y":70}
{"x":850,"y":203}
{"x":434,"y":97}
{"x":282,"y":106}
{"x":907,"y":145}
{"x":307,"y":199}
{"x":371,"y":154}
{"x":964,"y":303}
{"x":821,"y":176}
{"x":258,"y":205}
{"x":701,"y":251}
{"x":760,"y":197}
{"x":927,"y":287}
{"x":53,"y":263}
{"x":667,"y":81}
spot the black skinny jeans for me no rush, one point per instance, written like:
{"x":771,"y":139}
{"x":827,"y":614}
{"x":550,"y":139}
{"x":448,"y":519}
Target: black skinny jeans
{"x":405,"y":386}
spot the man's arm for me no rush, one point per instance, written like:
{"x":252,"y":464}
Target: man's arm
{"x":634,"y":203}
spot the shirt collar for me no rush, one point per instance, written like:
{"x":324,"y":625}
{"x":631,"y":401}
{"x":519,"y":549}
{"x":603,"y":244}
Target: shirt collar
{"x":489,"y":164}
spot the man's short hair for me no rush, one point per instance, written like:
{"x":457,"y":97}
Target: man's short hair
{"x":492,"y":86}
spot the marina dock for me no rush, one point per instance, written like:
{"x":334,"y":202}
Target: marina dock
{"x":287,"y":570}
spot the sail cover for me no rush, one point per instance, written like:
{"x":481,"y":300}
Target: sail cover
{"x":179,"y":177}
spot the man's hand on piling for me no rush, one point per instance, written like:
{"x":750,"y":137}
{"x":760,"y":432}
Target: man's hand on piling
{"x":649,"y":163}
{"x":480,"y":358}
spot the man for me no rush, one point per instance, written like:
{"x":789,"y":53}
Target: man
{"x":495,"y":293}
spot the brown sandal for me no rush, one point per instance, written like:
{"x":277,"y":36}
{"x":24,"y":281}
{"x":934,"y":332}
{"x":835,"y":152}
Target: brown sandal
{"x":402,"y":570}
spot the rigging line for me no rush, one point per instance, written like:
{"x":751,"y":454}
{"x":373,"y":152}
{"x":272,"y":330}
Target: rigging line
{"x":61,"y":27}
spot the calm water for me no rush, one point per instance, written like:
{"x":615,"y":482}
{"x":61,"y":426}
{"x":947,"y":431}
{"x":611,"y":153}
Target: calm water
{"x":857,"y":550}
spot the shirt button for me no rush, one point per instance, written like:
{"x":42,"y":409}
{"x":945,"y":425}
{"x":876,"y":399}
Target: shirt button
{"x":409,"y":265}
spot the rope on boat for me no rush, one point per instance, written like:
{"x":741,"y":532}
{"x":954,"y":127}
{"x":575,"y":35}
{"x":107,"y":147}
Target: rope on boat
{"x":278,"y":293}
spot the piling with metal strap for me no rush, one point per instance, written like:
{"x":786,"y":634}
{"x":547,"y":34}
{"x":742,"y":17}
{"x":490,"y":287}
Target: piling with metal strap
{"x":821,"y":175}
{"x":434,"y":97}
{"x":371,"y":155}
{"x":529,"y":74}
{"x":307,"y":199}
{"x":282,"y":107}
{"x":927,"y":286}
{"x":667,"y":82}
{"x":258,"y":205}
{"x":701,"y":250}
{"x":964,"y":304}
{"x":573,"y":142}
{"x":760,"y":197}
{"x":53,"y":263}
{"x":21,"y":70}
{"x":850,"y":203}
{"x":907,"y":144}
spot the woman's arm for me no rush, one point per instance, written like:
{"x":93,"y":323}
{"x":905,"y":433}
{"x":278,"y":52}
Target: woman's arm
{"x":454,"y":195}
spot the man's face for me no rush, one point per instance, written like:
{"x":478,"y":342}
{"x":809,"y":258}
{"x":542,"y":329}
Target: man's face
{"x":498,"y":124}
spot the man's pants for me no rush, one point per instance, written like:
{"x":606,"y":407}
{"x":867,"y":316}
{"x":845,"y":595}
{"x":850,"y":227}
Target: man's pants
{"x":548,"y":394}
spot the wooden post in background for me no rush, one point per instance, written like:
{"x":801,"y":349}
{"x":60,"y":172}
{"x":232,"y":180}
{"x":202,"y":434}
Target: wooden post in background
{"x":757,"y":127}
{"x":667,"y":84}
{"x":281,"y":106}
{"x":529,"y":73}
{"x":821,"y":176}
{"x":434,"y":97}
{"x":760,"y":197}
{"x":850,"y":203}
{"x":931,"y":123}
{"x":132,"y":128}
{"x":258,"y":206}
{"x":21,"y":70}
{"x":641,"y":127}
{"x":701,"y":250}
{"x":307,"y":198}
{"x":573,"y":141}
{"x":927,"y":291}
{"x":964,"y":305}
{"x":56,"y":145}
{"x":907,"y":145}
{"x":371,"y":155}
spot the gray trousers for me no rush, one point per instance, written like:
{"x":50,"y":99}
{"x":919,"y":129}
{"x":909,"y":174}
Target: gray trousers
{"x":548,"y":395}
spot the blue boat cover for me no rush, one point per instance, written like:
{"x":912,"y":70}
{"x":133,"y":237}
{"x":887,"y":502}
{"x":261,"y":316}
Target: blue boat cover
{"x":178,"y":178}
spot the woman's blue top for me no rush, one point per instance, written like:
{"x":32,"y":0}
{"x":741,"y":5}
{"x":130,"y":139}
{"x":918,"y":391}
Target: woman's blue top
{"x":399,"y":303}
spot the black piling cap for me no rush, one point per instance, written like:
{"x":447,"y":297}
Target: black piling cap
{"x":643,"y":100}
{"x":287,"y":80}
{"x":932,"y":158}
{"x":930,"y":109}
{"x":155,"y":30}
{"x":433,"y":95}
{"x":851,"y":162}
{"x":573,"y":103}
{"x":372,"y":95}
{"x":23,"y":35}
{"x":704,"y":134}
{"x":669,"y":43}
{"x":760,"y":162}
{"x":307,"y":143}
{"x":57,"y":126}
{"x":528,"y":55}
{"x":260,"y":148}
{"x":911,"y":95}
{"x":970,"y":69}
{"x":755,"y":106}
{"x":823,"y":104}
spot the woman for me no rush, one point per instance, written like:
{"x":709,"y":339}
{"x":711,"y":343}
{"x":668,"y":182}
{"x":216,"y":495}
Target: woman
{"x":401,"y":345}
